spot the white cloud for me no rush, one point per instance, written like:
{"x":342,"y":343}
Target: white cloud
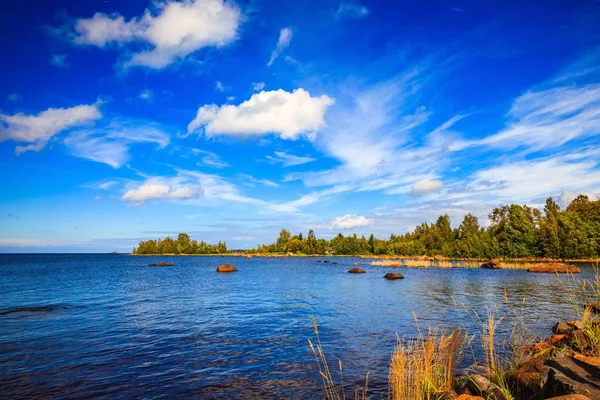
{"x":110,"y":145}
{"x":289,"y":160}
{"x":251,"y":181}
{"x":174,"y":31}
{"x":39,"y":129}
{"x":219,"y":86}
{"x":567,"y":196}
{"x":210,"y":159}
{"x":524,"y":181}
{"x":107,"y":185}
{"x":59,"y":60}
{"x":427,"y":186}
{"x":349,"y":221}
{"x":187,"y":185}
{"x":258,"y":86}
{"x":351,"y":11}
{"x":547,"y":119}
{"x":287,"y":114}
{"x":155,"y":192}
{"x":285,"y":37}
{"x":147,"y":95}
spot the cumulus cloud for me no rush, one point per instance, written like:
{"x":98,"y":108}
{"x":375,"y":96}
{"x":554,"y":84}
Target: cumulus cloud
{"x":279,"y":112}
{"x":110,"y":145}
{"x":427,"y":186}
{"x":289,"y":160}
{"x":349,"y":221}
{"x":258,"y":86}
{"x":285,"y":37}
{"x":351,"y":11}
{"x":38,"y":129}
{"x":174,"y":31}
{"x":154,"y":192}
{"x":59,"y":60}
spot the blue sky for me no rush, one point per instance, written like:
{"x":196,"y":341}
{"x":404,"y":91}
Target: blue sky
{"x":123,"y":121}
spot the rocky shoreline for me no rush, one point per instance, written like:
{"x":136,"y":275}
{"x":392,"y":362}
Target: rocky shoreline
{"x":564,"y":366}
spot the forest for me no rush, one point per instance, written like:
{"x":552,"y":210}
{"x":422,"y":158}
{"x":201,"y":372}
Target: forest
{"x":514,"y":231}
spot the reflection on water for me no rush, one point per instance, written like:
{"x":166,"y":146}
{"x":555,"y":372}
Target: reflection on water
{"x":106,"y":325}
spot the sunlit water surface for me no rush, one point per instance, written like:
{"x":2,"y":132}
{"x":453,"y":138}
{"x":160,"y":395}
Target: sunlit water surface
{"x":114,"y":327}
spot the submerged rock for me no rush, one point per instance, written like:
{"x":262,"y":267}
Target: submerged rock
{"x":554,"y":269}
{"x":226,"y":268}
{"x":490,"y":265}
{"x":162,"y":264}
{"x":32,"y":309}
{"x":356,"y":270}
{"x":392,"y":276}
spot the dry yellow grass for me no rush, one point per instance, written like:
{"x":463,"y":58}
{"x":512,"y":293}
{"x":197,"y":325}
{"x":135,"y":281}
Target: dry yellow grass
{"x":425,"y":367}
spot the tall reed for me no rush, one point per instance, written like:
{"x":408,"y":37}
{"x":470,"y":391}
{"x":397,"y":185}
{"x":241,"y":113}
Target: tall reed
{"x":425,"y":367}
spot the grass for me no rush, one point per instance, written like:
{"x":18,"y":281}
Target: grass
{"x":425,"y":367}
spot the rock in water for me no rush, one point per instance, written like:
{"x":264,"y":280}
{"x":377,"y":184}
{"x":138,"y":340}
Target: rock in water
{"x":392,"y":277}
{"x":490,"y":265}
{"x":554,"y":269}
{"x":356,"y":270}
{"x":226,"y":268}
{"x":162,"y":264}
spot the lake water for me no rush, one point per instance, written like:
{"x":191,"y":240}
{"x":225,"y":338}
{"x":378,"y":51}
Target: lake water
{"x":115,"y":327}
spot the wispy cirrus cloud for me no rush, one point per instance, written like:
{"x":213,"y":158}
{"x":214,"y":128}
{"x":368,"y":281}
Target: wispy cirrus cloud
{"x":289,"y":160}
{"x":110,"y":144}
{"x":173,"y":31}
{"x":351,"y":11}
{"x":210,"y":159}
{"x":285,"y":37}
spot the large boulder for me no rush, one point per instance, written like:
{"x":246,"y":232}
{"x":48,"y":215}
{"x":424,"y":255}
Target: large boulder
{"x":468,"y":397}
{"x":356,"y":270}
{"x":564,"y":375}
{"x":490,"y":265}
{"x":392,"y":277}
{"x":226,"y":268}
{"x":526,"y":381}
{"x":554,"y":269}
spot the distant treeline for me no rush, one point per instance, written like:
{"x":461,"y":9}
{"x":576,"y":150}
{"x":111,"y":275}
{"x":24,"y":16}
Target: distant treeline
{"x":514,"y":231}
{"x":183,"y":245}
